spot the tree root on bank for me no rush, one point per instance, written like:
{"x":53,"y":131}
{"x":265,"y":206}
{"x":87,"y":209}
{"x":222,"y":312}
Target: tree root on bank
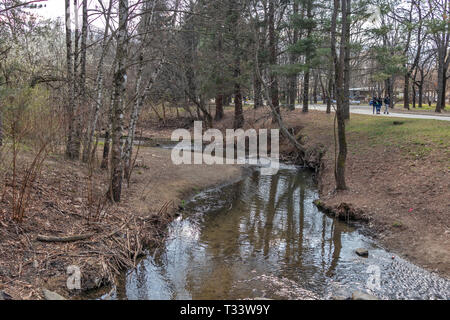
{"x":344,"y":211}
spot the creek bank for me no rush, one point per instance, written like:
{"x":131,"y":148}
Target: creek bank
{"x":59,"y":208}
{"x":171,"y":187}
{"x":397,"y":187}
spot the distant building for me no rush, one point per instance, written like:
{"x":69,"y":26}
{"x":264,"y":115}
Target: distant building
{"x":360,"y":94}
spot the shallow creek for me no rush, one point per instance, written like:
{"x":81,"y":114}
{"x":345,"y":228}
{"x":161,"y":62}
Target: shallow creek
{"x":262,"y":237}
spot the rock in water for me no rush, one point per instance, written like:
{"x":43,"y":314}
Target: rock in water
{"x":358,"y":295}
{"x":362,"y":252}
{"x":339,"y":298}
{"x":50,"y":295}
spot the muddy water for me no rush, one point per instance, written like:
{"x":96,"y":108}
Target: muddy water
{"x":262,"y":237}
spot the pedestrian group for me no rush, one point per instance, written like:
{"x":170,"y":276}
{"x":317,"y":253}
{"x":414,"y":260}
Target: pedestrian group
{"x":377,"y":103}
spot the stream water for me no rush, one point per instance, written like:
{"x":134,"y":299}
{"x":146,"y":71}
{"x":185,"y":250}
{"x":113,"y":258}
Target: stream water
{"x":262,"y":237}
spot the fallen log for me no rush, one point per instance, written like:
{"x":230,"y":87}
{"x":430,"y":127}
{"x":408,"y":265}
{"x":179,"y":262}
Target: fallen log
{"x":64,"y":239}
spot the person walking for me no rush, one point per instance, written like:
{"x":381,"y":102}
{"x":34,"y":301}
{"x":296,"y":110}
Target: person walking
{"x":378,"y":104}
{"x":387,"y":104}
{"x":373,"y":103}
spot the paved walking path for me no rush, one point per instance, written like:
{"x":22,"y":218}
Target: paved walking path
{"x":367,"y":110}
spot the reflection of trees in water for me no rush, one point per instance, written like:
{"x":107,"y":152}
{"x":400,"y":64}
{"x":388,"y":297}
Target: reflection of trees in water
{"x":274,"y":212}
{"x":221,"y":232}
{"x":260,"y":211}
{"x":141,"y":281}
{"x":282,"y":201}
{"x":254,"y":225}
{"x":270,"y":213}
{"x":337,"y":246}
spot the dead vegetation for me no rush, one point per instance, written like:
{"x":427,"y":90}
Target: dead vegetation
{"x":65,"y":226}
{"x":59,"y":230}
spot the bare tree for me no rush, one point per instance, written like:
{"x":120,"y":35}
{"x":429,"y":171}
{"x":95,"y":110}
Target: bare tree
{"x":71,"y":146}
{"x":440,"y":29}
{"x":141,"y":93}
{"x":293,"y":79}
{"x":92,"y":125}
{"x":235,"y":13}
{"x":273,"y":60}
{"x":120,"y":81}
{"x":339,"y":66}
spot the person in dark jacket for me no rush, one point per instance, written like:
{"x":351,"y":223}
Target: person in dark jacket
{"x":379,"y":105}
{"x":373,"y":103}
{"x":387,"y":104}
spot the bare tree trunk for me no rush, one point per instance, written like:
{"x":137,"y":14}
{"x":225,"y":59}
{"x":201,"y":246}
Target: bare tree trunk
{"x":92,"y":127}
{"x":70,"y":147}
{"x":329,"y":88}
{"x":307,"y":74}
{"x":273,"y":60}
{"x":134,"y":117}
{"x":406,"y":92}
{"x":388,"y":90}
{"x":82,"y":98}
{"x":346,"y":107}
{"x":420,"y":87}
{"x":442,"y":78}
{"x":106,"y":148}
{"x":315,"y":88}
{"x":76,"y":136}
{"x":339,"y":63}
{"x":141,"y":96}
{"x":257,"y":89}
{"x":440,"y":90}
{"x":120,"y":78}
{"x":306,"y":91}
{"x":293,"y":79}
{"x":1,"y":127}
{"x":260,"y":46}
{"x":219,"y":107}
{"x":444,"y":90}
{"x":83,"y":48}
{"x":219,"y":91}
{"x":238,"y":112}
{"x":109,"y":117}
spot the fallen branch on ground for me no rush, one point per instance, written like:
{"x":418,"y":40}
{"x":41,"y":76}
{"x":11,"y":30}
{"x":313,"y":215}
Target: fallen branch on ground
{"x":65,"y":239}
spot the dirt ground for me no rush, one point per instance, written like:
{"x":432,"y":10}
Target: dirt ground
{"x":60,"y":206}
{"x":406,"y":199}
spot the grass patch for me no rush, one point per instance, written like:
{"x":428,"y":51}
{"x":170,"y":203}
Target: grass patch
{"x":424,"y":107}
{"x":416,"y":137}
{"x":397,"y":224}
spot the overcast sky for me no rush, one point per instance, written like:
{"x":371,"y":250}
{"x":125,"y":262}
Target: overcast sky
{"x":53,"y":9}
{"x":56,"y":9}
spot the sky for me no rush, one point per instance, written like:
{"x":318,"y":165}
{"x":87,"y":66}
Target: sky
{"x":54,"y":9}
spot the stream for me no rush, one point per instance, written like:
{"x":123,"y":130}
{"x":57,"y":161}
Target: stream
{"x":262,"y":237}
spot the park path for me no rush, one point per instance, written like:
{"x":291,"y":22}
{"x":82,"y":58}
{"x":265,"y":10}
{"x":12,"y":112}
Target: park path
{"x":367,"y":110}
